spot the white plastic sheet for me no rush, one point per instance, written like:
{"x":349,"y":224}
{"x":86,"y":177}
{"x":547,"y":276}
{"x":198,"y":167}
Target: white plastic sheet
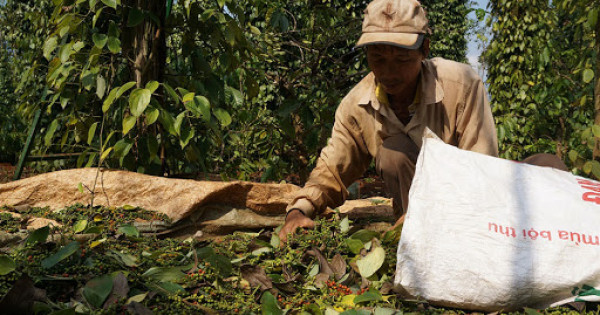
{"x":489,"y":234}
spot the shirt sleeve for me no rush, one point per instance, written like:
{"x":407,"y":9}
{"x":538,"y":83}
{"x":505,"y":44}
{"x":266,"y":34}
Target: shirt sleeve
{"x":341,"y":162}
{"x":475,"y":124}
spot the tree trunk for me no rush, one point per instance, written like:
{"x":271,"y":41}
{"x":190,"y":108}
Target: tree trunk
{"x":146,"y":50}
{"x":145,"y":44}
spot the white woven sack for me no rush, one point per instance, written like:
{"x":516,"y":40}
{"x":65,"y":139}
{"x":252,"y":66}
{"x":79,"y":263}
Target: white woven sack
{"x":489,"y":234}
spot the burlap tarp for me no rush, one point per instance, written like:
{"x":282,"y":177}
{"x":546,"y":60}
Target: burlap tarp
{"x":209,"y":206}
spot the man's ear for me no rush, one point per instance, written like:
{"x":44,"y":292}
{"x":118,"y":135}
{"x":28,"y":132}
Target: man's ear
{"x":425,"y":47}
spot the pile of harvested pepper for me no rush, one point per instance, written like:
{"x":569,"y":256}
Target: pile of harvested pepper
{"x":98,"y":261}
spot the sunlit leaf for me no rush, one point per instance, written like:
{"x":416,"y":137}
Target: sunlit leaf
{"x":100,"y":86}
{"x":128,"y":230}
{"x":91,"y":133}
{"x":152,"y":86}
{"x":124,"y":88}
{"x":222,"y":116}
{"x":139,"y":100}
{"x":128,"y":123}
{"x":368,"y":265}
{"x":50,"y":133}
{"x":49,"y":47}
{"x":152,"y":116}
{"x":110,"y":3}
{"x":588,"y":75}
{"x":80,"y":226}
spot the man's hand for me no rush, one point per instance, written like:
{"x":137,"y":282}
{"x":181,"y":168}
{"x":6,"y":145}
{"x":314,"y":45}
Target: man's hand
{"x":295,"y":219}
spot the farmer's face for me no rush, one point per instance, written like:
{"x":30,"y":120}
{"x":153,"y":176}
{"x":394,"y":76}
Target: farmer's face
{"x":395,"y":67}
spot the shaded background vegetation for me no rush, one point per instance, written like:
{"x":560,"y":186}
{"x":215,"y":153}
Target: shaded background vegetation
{"x":247,"y":89}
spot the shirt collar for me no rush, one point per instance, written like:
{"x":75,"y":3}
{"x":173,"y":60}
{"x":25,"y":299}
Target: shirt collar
{"x":431,"y":90}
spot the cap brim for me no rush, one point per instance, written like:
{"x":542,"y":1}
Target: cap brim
{"x":402,"y":40}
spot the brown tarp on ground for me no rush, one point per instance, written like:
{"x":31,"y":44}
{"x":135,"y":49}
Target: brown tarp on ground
{"x":210,"y":206}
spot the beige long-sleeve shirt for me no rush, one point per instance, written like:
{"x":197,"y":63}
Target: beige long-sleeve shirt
{"x":453,"y":104}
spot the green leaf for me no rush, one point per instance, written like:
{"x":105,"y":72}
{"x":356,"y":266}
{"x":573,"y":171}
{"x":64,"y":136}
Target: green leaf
{"x":135,"y":17}
{"x":178,"y":122}
{"x":63,"y":253}
{"x":170,"y":287}
{"x":370,"y":296}
{"x":100,"y":86}
{"x":139,"y":100}
{"x":275,"y":241}
{"x":268,"y":304}
{"x":354,"y":245}
{"x":39,"y":235}
{"x":50,"y":133}
{"x":49,"y":47}
{"x":65,"y":52}
{"x":164,"y":274}
{"x":110,"y":3}
{"x":345,"y":225}
{"x":110,"y":99}
{"x":124,"y":258}
{"x":368,"y":265}
{"x":97,"y":290}
{"x":129,"y":230}
{"x":592,"y":18}
{"x":80,"y":226}
{"x":152,"y":116}
{"x":105,"y":154}
{"x":596,"y":130}
{"x":171,"y":92}
{"x":152,"y":86}
{"x":80,"y":185}
{"x":114,"y":45}
{"x":91,"y":133}
{"x":530,"y":311}
{"x":137,"y":298}
{"x":588,"y":75}
{"x":221,"y":263}
{"x":573,"y":156}
{"x":128,"y":123}
{"x":596,"y":168}
{"x":234,"y":96}
{"x":222,"y":116}
{"x":100,"y":40}
{"x":186,"y":135}
{"x":124,"y":88}
{"x":200,"y":107}
{"x":364,"y":235}
{"x":122,"y":147}
{"x":78,"y":46}
{"x":7,"y":265}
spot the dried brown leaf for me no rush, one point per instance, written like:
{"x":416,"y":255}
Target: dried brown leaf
{"x":324,"y":266}
{"x":256,"y":276}
{"x":120,"y":290}
{"x":338,"y":265}
{"x":20,"y":298}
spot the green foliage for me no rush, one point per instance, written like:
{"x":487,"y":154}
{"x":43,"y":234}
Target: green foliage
{"x":242,"y":88}
{"x":540,"y":74}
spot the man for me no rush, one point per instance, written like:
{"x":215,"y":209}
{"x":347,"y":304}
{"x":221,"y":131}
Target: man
{"x":383,"y":116}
